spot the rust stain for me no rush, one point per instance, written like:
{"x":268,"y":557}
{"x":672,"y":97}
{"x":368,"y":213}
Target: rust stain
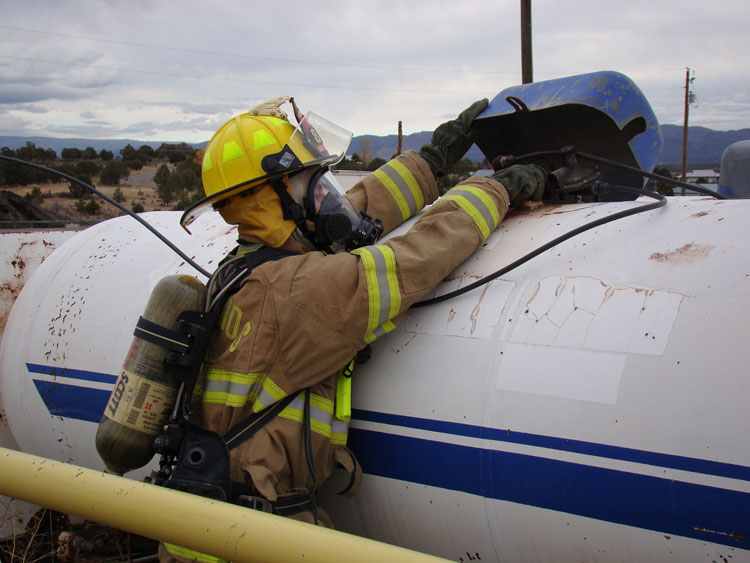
{"x":690,"y":252}
{"x":700,"y":214}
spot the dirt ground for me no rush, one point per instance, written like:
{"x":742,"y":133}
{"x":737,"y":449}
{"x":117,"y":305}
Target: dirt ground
{"x":138,"y":188}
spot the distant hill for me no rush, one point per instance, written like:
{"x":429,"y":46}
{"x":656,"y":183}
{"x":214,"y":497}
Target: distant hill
{"x":705,"y":146}
{"x":57,"y":144}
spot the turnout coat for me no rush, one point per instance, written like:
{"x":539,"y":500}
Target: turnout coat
{"x":296,"y":323}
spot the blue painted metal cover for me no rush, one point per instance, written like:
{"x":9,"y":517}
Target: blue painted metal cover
{"x":602,"y":113}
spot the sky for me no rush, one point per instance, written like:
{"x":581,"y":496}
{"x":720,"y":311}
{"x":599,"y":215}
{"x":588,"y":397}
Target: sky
{"x":176,"y":71}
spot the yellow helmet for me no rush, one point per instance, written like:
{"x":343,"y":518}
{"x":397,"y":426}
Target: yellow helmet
{"x":256,"y":148}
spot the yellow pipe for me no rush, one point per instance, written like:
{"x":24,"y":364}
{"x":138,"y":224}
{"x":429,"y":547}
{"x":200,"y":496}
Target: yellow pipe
{"x":228,"y":531}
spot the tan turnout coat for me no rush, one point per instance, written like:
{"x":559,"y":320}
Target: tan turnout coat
{"x":296,"y":321}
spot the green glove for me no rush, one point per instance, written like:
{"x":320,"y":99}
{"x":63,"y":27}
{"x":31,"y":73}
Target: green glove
{"x":451,"y":140}
{"x":523,"y":182}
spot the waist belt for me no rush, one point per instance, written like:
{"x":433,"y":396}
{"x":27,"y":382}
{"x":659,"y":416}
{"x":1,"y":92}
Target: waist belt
{"x":286,"y":505}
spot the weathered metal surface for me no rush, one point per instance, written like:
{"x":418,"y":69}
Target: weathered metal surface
{"x":20,"y":254}
{"x":596,"y":394}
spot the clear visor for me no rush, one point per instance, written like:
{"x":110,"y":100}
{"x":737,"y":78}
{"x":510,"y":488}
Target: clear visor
{"x":329,"y":198}
{"x":325,"y":141}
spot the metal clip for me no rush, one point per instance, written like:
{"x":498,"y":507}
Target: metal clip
{"x":255,"y":503}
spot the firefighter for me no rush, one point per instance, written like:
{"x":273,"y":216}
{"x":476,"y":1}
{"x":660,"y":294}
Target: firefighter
{"x":292,"y":328}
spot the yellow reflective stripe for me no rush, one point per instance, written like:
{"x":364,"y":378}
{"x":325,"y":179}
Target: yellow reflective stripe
{"x":383,"y":292}
{"x":486,"y":199}
{"x":403,"y":187}
{"x":262,"y":139}
{"x":478,"y":205}
{"x":178,"y":551}
{"x":321,"y":413}
{"x":396,"y":194}
{"x":269,"y":394}
{"x":207,"y":162}
{"x":410,"y":181}
{"x":245,"y":248}
{"x":339,"y":432}
{"x":230,"y":151}
{"x":230,"y":388}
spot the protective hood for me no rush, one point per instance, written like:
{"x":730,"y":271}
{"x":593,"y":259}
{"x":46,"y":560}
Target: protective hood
{"x":258,"y":215}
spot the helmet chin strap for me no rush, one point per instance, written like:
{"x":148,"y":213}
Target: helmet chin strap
{"x":294,"y":210}
{"x":291,"y":209}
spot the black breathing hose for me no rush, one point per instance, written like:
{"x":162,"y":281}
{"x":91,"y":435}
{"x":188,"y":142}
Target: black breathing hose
{"x":122,"y":208}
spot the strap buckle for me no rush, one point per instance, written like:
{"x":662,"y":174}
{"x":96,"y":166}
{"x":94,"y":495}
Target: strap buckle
{"x":255,"y":503}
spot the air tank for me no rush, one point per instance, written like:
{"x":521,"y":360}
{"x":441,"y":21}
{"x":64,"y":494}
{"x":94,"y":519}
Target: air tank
{"x":589,"y":405}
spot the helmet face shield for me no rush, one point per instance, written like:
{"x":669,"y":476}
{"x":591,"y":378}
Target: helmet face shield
{"x":321,"y":142}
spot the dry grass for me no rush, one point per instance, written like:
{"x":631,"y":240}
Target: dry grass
{"x":51,"y":537}
{"x":138,"y":188}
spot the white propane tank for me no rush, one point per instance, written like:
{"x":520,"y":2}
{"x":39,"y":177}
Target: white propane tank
{"x":590,"y":405}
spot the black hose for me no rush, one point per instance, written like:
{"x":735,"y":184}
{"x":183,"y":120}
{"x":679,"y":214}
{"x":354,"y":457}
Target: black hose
{"x":511,"y":159}
{"x":693,"y":187}
{"x":111,"y":201}
{"x":661,"y":201}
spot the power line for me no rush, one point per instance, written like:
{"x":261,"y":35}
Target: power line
{"x":254,"y":57}
{"x":238,"y":80}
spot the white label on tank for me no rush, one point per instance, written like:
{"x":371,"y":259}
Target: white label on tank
{"x":586,"y":313}
{"x":581,"y":375}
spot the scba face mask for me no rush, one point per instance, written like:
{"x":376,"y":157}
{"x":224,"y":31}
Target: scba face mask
{"x":335,"y":218}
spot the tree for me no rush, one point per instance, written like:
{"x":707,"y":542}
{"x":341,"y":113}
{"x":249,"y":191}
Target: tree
{"x":162,"y":175}
{"x":26,"y":152}
{"x":113,"y":172}
{"x":375,"y":163}
{"x":175,"y":153}
{"x":118,"y":195}
{"x":662,"y":187}
{"x":128,"y":152}
{"x":70,"y":154}
{"x":88,"y":153}
{"x":146,"y":153}
{"x":106,"y":155}
{"x":35,"y":195}
{"x":90,"y":207}
{"x":137,"y":207}
{"x":76,"y":189}
{"x":88,"y":167}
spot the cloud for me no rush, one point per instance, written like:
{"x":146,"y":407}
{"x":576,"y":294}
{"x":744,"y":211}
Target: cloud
{"x":104,"y":69}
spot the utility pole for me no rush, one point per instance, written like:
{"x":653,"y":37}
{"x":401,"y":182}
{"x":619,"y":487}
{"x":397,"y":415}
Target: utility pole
{"x":527,"y":67}
{"x":688,"y":98}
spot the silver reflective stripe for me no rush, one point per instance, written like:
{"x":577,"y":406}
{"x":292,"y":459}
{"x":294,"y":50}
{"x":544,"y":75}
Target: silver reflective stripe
{"x":384,"y":296}
{"x":479,"y":204}
{"x":403,"y":187}
{"x":231,"y":387}
{"x":339,"y":432}
{"x":384,"y":290}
